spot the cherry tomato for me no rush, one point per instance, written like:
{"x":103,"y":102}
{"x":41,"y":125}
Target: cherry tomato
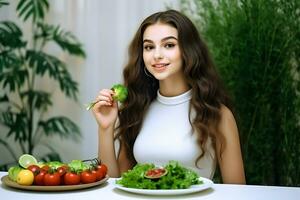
{"x":39,"y":178}
{"x":98,"y":173}
{"x":35,"y":169}
{"x":103,"y":168}
{"x":88,"y":177}
{"x":71,"y":178}
{"x":52,"y":179}
{"x":46,"y":168}
{"x":62,"y":170}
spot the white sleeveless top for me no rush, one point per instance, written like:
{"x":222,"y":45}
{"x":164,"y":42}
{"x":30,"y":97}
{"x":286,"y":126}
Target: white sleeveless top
{"x":166,"y":135}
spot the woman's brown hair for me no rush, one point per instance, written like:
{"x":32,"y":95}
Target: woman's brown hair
{"x":208,"y":94}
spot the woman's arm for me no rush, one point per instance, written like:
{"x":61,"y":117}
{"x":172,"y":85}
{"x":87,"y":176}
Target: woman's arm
{"x":124,"y":163}
{"x":230,"y":160}
{"x":106,"y":151}
{"x":105,"y":112}
{"x":116,"y":166}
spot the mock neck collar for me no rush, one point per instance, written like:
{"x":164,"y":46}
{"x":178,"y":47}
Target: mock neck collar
{"x":184,"y":97}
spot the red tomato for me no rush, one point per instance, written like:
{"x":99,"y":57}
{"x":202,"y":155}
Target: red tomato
{"x":103,"y":169}
{"x":88,"y":177}
{"x":62,"y":170}
{"x":71,"y":178}
{"x":46,"y":168}
{"x":99,"y":174}
{"x":52,"y":179}
{"x":39,"y":178}
{"x":34,"y":168}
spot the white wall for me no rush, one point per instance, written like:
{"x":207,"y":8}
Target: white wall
{"x":105,"y":28}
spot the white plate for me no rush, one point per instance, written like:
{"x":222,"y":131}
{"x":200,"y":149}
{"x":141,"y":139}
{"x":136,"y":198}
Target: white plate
{"x":207,"y":183}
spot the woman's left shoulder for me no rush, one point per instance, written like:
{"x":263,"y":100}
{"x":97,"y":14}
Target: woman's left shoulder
{"x":226,"y":113}
{"x":227,"y":122}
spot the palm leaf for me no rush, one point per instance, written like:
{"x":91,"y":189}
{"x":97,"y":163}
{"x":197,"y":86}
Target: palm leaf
{"x":3,"y":3}
{"x":55,"y":68}
{"x":11,"y":35}
{"x":67,"y":41}
{"x":44,"y":31}
{"x":17,"y":124}
{"x":13,"y":78}
{"x":38,"y":99}
{"x":4,"y":98}
{"x":61,"y":126}
{"x":8,"y":59}
{"x":32,"y":8}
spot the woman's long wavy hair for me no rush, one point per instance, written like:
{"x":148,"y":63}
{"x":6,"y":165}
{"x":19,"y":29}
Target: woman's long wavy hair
{"x":208,"y":94}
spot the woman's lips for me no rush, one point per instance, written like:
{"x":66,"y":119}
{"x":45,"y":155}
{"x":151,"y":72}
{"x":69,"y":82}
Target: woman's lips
{"x":160,"y":67}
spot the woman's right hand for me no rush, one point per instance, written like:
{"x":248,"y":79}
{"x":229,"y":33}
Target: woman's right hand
{"x":106,"y":109}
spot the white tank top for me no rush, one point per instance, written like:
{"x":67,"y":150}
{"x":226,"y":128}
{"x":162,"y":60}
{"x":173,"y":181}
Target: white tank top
{"x":166,"y":135}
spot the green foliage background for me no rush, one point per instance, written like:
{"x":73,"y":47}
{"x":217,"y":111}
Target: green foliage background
{"x":256,"y":46}
{"x":24,"y":65}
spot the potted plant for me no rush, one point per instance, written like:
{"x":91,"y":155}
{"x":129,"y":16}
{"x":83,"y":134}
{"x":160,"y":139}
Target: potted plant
{"x":23,"y":62}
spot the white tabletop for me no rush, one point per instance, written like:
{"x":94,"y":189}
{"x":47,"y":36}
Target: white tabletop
{"x":108,"y":191}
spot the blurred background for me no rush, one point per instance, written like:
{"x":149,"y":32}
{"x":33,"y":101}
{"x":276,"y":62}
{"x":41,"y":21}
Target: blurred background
{"x":56,"y":55}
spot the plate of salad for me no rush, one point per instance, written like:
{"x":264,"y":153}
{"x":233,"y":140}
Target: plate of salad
{"x":171,"y":179}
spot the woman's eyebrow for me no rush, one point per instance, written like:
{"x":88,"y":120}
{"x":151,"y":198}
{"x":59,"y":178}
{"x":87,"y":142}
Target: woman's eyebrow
{"x":168,"y":38}
{"x":164,"y":39}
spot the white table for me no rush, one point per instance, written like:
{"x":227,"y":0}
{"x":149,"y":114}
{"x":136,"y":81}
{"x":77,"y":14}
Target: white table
{"x":109,"y":192}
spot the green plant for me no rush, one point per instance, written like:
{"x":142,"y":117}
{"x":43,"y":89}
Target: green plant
{"x":256,"y":45}
{"x":24,"y":64}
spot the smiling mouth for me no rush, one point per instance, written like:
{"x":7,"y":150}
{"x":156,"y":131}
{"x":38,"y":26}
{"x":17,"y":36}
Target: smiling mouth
{"x":160,"y":66}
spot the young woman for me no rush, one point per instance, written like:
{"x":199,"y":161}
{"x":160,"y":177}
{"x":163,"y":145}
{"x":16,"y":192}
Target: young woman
{"x":176,"y":107}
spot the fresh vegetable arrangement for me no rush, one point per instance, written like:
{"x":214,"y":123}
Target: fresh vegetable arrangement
{"x":171,"y":176}
{"x":32,"y":172}
{"x":120,"y":94}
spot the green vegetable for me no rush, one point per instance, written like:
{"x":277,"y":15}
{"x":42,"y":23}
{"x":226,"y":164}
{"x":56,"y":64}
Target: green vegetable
{"x":121,"y":92}
{"x":78,"y":166}
{"x":54,"y":164}
{"x":13,"y":172}
{"x":178,"y":177}
{"x":90,"y":105}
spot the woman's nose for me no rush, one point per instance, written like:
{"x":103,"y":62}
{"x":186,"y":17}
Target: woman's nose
{"x":158,"y":53}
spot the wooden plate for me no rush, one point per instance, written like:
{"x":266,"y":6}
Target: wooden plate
{"x":5,"y":180}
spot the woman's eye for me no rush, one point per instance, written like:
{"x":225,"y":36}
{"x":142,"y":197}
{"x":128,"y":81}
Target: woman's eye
{"x":169,"y":45}
{"x":148,"y":47}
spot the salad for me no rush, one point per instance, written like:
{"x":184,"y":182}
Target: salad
{"x":174,"y":176}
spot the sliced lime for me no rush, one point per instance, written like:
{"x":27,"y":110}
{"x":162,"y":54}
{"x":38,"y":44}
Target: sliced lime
{"x":26,"y":160}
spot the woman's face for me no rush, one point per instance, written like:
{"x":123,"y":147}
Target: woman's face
{"x":161,"y":53}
